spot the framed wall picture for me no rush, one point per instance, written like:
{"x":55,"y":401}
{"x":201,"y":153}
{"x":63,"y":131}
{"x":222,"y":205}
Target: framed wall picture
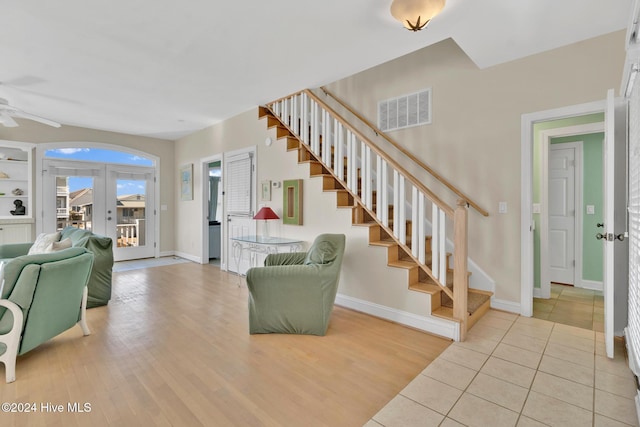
{"x":265,"y":193}
{"x":186,"y":182}
{"x":292,"y":201}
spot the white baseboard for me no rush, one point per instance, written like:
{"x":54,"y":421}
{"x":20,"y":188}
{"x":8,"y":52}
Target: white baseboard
{"x":537,"y":293}
{"x":593,"y":285}
{"x":167,"y":253}
{"x":510,"y":306}
{"x":429,"y":324}
{"x":189,"y":257}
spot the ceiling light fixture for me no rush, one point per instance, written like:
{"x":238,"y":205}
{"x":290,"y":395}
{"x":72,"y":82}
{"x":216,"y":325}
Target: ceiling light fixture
{"x":416,"y":14}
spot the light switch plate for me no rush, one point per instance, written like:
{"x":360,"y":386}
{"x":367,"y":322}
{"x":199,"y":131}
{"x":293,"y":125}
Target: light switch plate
{"x":591,"y":210}
{"x":536,"y":208}
{"x":502,"y":207}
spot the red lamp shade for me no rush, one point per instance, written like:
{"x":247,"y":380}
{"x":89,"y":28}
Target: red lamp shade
{"x":266,"y":213}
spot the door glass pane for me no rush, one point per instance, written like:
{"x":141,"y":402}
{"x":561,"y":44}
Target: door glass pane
{"x":131,"y":206}
{"x":74,"y":202}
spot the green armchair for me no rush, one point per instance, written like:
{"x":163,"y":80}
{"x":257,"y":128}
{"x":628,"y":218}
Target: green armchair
{"x":43,"y":295}
{"x":294,"y":292}
{"x":101,"y":247}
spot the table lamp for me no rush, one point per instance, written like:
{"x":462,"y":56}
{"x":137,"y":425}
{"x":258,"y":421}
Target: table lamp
{"x":265,"y":213}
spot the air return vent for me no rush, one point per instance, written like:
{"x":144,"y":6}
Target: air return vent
{"x":405,"y":111}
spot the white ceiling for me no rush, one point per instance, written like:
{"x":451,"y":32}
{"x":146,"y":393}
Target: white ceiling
{"x":165,"y":68}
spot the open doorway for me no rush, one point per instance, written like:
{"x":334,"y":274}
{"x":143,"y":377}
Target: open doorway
{"x":568,"y":205}
{"x":214,"y":207}
{"x":212,"y":214}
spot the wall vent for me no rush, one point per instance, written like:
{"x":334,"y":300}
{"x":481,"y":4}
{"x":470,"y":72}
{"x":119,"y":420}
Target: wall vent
{"x":405,"y":111}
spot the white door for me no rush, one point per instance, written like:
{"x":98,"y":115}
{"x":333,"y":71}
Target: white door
{"x":616,"y":249}
{"x":130,"y":211}
{"x":562,"y":214}
{"x":239,"y":201}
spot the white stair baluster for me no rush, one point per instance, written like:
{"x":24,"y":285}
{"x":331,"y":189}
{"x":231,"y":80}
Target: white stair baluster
{"x":396,"y":203}
{"x":442,"y":247}
{"x":384,"y":196}
{"x":305,"y":119}
{"x":379,"y":188}
{"x":414,"y":221}
{"x":435,"y":241}
{"x":366,"y":176}
{"x":339,"y":163}
{"x":402,"y":216}
{"x":421,"y":229}
{"x":296,"y":122}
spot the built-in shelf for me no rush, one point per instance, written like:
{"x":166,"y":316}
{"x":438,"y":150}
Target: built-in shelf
{"x":19,"y":172}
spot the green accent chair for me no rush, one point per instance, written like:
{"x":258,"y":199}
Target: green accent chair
{"x":100,"y":246}
{"x":294,"y":292}
{"x":43,"y":295}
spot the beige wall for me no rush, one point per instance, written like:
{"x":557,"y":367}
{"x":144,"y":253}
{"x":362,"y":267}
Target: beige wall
{"x":474,"y":139}
{"x":36,"y":133}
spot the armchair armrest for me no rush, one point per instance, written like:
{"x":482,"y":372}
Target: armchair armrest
{"x":11,"y":340}
{"x":290,"y":299}
{"x":14,"y":250}
{"x":285,"y":258}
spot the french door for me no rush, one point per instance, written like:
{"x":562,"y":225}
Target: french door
{"x":116,"y":201}
{"x":130,"y":211}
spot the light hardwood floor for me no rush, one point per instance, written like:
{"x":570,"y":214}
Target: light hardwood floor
{"x":172,"y":348}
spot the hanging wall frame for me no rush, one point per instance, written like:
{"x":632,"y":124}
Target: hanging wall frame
{"x":292,"y":202}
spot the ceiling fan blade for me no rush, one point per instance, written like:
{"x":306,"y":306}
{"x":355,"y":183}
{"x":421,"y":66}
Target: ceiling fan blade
{"x":18,"y":113}
{"x":6,"y":120}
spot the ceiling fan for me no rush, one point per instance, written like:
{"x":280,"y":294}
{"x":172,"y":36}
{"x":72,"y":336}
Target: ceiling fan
{"x":8,"y":112}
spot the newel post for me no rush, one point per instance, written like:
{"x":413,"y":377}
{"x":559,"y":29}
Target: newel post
{"x":460,"y":276}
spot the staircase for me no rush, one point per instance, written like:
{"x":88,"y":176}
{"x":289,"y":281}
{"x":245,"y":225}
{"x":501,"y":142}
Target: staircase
{"x":420,"y":233}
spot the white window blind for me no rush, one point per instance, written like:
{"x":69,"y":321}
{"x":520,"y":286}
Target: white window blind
{"x":633,"y":330}
{"x":238,"y":170}
{"x":405,"y":111}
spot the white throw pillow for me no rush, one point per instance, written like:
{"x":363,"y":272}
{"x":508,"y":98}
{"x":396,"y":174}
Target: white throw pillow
{"x":62,"y":244}
{"x":43,"y":243}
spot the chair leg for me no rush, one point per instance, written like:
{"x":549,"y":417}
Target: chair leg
{"x":83,"y":313}
{"x":10,"y":369}
{"x":11,"y":340}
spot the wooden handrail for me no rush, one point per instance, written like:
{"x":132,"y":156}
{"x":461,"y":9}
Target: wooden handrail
{"x":407,"y":153}
{"x":430,"y":194}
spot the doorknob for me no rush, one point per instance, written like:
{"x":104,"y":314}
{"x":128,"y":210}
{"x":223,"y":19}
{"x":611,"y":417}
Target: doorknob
{"x":620,"y":237}
{"x":600,"y":236}
{"x":108,"y":218}
{"x":600,"y":225}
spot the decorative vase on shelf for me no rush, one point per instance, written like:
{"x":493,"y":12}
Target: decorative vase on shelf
{"x":17,"y":191}
{"x":3,"y":175}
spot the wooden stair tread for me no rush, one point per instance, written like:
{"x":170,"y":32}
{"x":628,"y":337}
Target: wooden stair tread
{"x":402,"y":264}
{"x":383,"y":243}
{"x":427,"y":288}
{"x":364,"y":224}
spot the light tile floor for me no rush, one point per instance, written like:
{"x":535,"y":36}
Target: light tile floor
{"x":579,"y":307}
{"x":519,"y":371}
